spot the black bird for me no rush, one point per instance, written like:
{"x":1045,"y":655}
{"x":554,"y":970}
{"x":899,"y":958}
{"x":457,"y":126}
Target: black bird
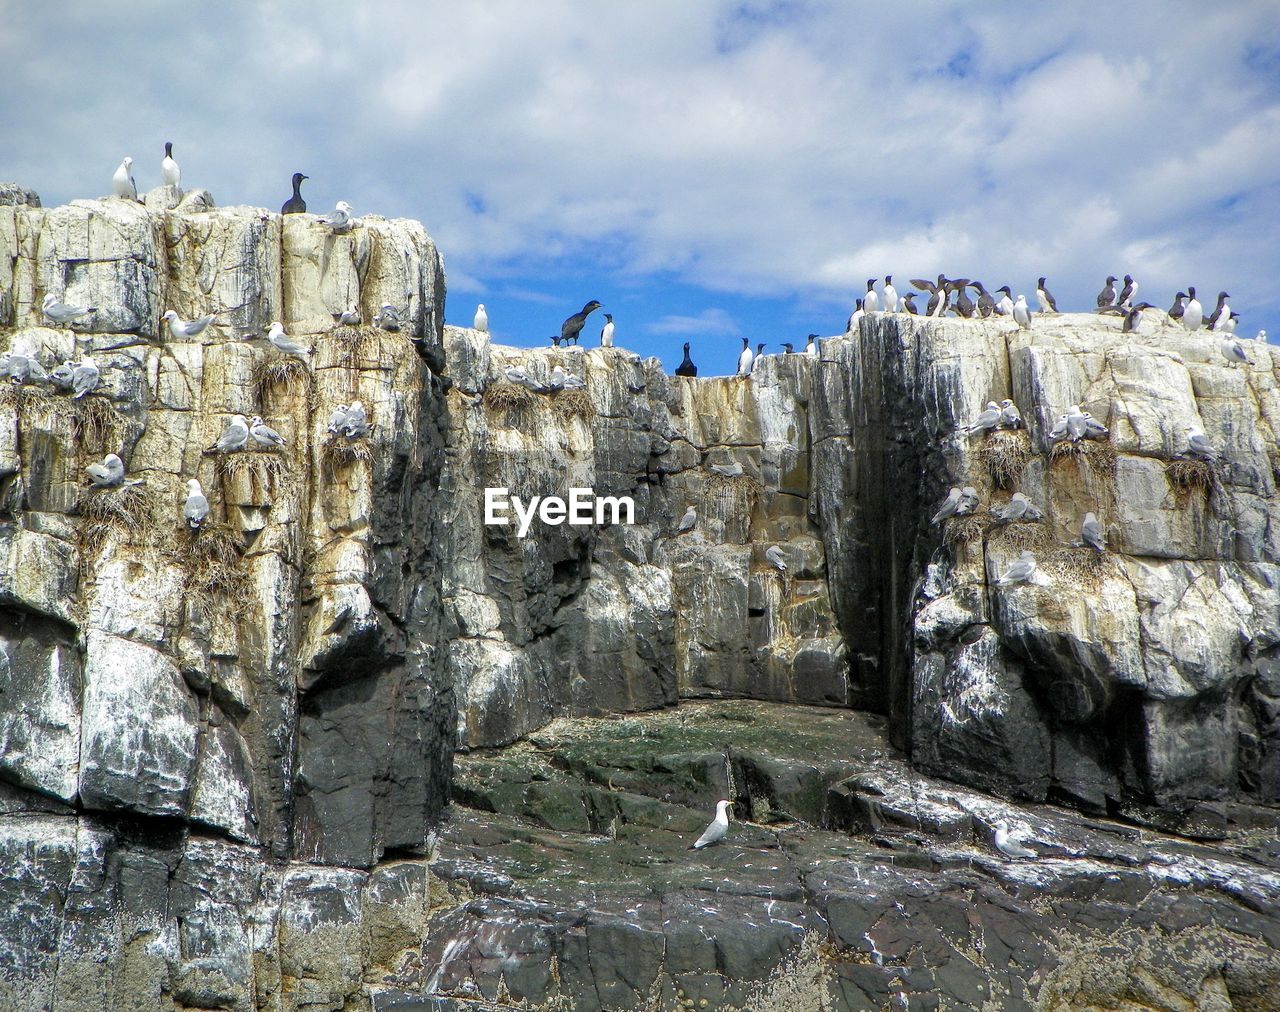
{"x":1107,"y":297}
{"x":572,"y":327}
{"x":789,"y":349}
{"x":1130,"y":288}
{"x":964,"y":305}
{"x":1047,"y":302}
{"x":295,"y":204}
{"x":1175,"y":311}
{"x":909,"y":300}
{"x":555,"y":340}
{"x":1213,"y":317}
{"x":686,"y":368}
{"x":759,"y":349}
{"x":986,"y":304}
{"x":1131,"y":318}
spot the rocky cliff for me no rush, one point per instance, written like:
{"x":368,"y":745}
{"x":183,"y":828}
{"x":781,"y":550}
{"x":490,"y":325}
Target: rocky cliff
{"x":226,"y":756}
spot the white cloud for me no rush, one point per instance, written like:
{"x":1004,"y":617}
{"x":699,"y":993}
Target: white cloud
{"x":710,"y":322}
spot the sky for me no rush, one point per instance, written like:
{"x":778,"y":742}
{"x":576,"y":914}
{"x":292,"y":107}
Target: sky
{"x":708,"y":171}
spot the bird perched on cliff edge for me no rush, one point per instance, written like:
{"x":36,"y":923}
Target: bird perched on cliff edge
{"x":1233,"y":351}
{"x":169,"y":171}
{"x":195,"y":510}
{"x":572,"y":326}
{"x":480,"y":321}
{"x":388,"y":318}
{"x":987,"y":420}
{"x":63,"y":312}
{"x":85,"y":378}
{"x":1008,"y":844}
{"x":811,"y":345}
{"x":606,"y":332}
{"x":1092,"y":534}
{"x":1132,"y":319}
{"x":776,"y":559}
{"x":1128,"y":292}
{"x":181,"y":330}
{"x":1010,"y":416}
{"x":715,"y":832}
{"x":986,"y":304}
{"x":1192,"y":312}
{"x":870,"y":300}
{"x":235,"y":436}
{"x":1107,"y":297}
{"x":1221,"y":314}
{"x":1004,"y":307}
{"x":745,"y":358}
{"x":122,"y":182}
{"x":686,"y":367}
{"x":339,"y":220}
{"x":1021,"y":314}
{"x":356,"y":423}
{"x":337,"y":418}
{"x":108,"y":474}
{"x":890,"y":295}
{"x":688,"y":521}
{"x":295,"y":204}
{"x":733,"y":470}
{"x":288,"y":345}
{"x":1200,"y":448}
{"x":1021,"y":570}
{"x":857,"y":314}
{"x":1045,"y":298}
{"x":948,"y":507}
{"x":1179,"y":306}
{"x":263,"y":434}
{"x":349,"y":317}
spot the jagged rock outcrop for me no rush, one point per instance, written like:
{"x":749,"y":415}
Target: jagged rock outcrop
{"x":225,"y":757}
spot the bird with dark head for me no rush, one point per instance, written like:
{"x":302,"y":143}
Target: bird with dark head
{"x":572,"y":327}
{"x":686,"y":368}
{"x":295,"y":204}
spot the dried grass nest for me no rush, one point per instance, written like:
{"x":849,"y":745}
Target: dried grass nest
{"x":127,"y":513}
{"x":508,"y":399}
{"x":1187,"y":476}
{"x":263,"y":468}
{"x":283,"y":372}
{"x":1081,"y":566}
{"x":338,"y":452}
{"x":1023,"y":535}
{"x":1004,"y":456}
{"x":570,"y":404}
{"x":962,"y":530}
{"x":1099,"y":457}
{"x":94,"y":422}
{"x":742,"y":486}
{"x":355,"y":344}
{"x":215,"y":579}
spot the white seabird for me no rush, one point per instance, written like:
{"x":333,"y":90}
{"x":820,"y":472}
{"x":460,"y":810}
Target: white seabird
{"x":63,"y":377}
{"x":811,"y":346}
{"x":1021,"y":570}
{"x":733,"y":470}
{"x":1017,"y":508}
{"x":263,"y":434}
{"x":968,"y":501}
{"x":890,"y":295}
{"x":1021,"y":313}
{"x":349,"y":317}
{"x":1233,"y":351}
{"x":1092,"y":534}
{"x":986,"y":421}
{"x":745,"y":358}
{"x":356,"y":424}
{"x":108,"y":474}
{"x":776,"y":559}
{"x":1059,"y":430}
{"x":606,"y":332}
{"x":85,"y":377}
{"x":1010,"y":416}
{"x":169,"y":171}
{"x":1008,"y":844}
{"x":870,"y":300}
{"x":716,"y":831}
{"x":339,"y":220}
{"x":63,"y":312}
{"x":336,"y":418}
{"x":1094,"y":429}
{"x":16,"y":367}
{"x":481,"y":320}
{"x":388,"y":317}
{"x":688,"y":521}
{"x":857,"y":314}
{"x":1077,"y":424}
{"x":234,"y":437}
{"x":1193,"y":312}
{"x":288,"y":345}
{"x":196,"y":508}
{"x":948,"y":507}
{"x":122,"y":182}
{"x":191,"y":328}
{"x":1261,"y":336}
{"x":1201,"y":448}
{"x":1005,"y":306}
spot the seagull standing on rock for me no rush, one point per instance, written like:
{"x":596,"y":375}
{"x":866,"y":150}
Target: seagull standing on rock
{"x":337,"y":418}
{"x":1010,"y":416}
{"x":948,"y":507}
{"x":1021,"y":314}
{"x":63,"y":312}
{"x":339,"y":220}
{"x":349,"y":317}
{"x":263,"y":434}
{"x":480,"y":321}
{"x":1008,"y":844}
{"x":108,"y":474}
{"x":388,"y":318}
{"x":1233,"y":351}
{"x":196,"y":508}
{"x":1092,"y":534}
{"x":122,"y":182}
{"x":85,"y":378}
{"x":169,"y":171}
{"x":234,"y":437}
{"x":986,"y":421}
{"x":715,"y":832}
{"x":688,"y":521}
{"x":193,"y":328}
{"x":288,"y":345}
{"x":1021,"y":570}
{"x":356,"y":423}
{"x":777,"y":559}
{"x":1201,"y":448}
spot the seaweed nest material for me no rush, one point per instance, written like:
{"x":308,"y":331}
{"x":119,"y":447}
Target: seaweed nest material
{"x":94,"y":423}
{"x":1081,"y":566}
{"x":355,"y":344}
{"x":262,"y":469}
{"x":961,"y":530}
{"x":211,"y":554}
{"x":570,"y":404}
{"x":338,"y":452}
{"x":1004,"y":457}
{"x":1023,"y":536}
{"x":1188,"y":476}
{"x":741,"y":486}
{"x":279,"y":373}
{"x":127,"y":514}
{"x":509,"y":400}
{"x":1099,"y":457}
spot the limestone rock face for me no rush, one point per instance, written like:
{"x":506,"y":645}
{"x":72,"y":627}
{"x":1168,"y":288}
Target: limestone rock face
{"x":265,"y":679}
{"x":589,"y":619}
{"x":1138,"y":678}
